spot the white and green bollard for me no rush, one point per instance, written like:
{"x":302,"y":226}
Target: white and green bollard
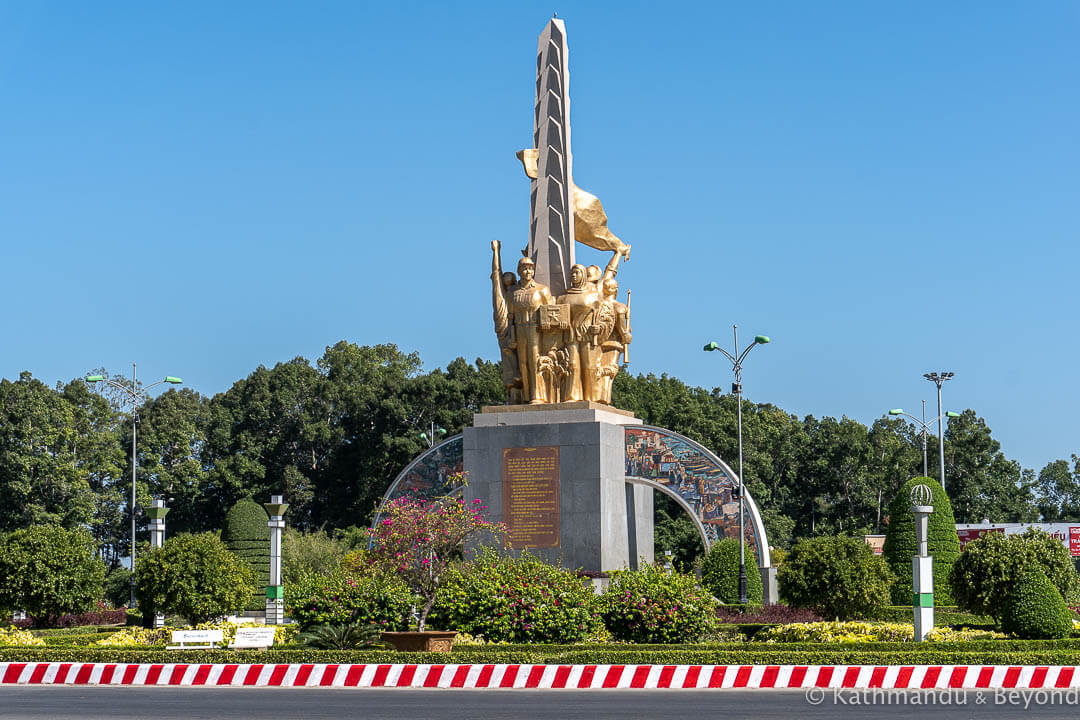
{"x":922,"y":565}
{"x":157,"y":513}
{"x":275,"y":595}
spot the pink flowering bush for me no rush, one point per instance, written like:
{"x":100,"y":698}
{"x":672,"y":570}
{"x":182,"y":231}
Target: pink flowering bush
{"x":653,"y":605}
{"x":418,"y":539}
{"x":523,"y":599}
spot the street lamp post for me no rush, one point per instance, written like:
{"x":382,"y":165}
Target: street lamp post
{"x":736,"y":387}
{"x":430,"y":439}
{"x":939,"y":380}
{"x":924,"y":430}
{"x":132,"y":394}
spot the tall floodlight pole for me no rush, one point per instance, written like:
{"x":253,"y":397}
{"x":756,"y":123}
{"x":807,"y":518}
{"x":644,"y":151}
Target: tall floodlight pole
{"x":133,"y":395}
{"x":924,"y":430}
{"x":736,"y":387}
{"x":939,"y":380}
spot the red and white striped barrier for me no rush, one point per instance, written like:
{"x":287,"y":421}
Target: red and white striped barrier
{"x":546,"y":676}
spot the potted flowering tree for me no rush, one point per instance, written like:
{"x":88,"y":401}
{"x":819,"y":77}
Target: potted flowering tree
{"x":416,"y":539}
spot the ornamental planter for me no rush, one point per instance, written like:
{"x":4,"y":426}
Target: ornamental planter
{"x":427,"y":641}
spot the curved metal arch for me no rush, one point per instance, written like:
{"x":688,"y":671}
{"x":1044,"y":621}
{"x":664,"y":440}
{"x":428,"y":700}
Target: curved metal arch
{"x":708,"y":483}
{"x":679,"y":500}
{"x":427,"y":474}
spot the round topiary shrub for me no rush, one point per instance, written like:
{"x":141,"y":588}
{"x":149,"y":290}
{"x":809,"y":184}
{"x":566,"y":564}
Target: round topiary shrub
{"x":520,"y":599}
{"x":1035,"y":609}
{"x":247,"y":536}
{"x":652,"y":605}
{"x":900,"y":544}
{"x":987,"y":568}
{"x":720,"y":573}
{"x":838,"y":577}
{"x":340,"y":598}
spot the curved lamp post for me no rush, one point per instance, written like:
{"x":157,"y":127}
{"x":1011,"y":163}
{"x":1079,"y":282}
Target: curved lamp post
{"x":923,"y":432}
{"x":736,"y":387}
{"x":132,"y":394}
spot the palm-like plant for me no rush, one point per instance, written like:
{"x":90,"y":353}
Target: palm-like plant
{"x":346,"y":636}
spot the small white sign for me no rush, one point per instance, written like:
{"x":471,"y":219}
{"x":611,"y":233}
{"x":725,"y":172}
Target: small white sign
{"x":253,"y":638}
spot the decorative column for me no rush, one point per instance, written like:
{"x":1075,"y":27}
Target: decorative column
{"x":157,"y":513}
{"x":922,"y":565}
{"x":275,"y":596}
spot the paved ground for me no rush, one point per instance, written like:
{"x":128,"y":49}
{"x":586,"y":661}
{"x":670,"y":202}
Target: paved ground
{"x":121,"y":703}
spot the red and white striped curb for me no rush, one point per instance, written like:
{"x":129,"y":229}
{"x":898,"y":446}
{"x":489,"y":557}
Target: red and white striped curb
{"x":546,"y":676}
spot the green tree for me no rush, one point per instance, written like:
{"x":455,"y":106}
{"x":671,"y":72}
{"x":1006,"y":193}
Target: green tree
{"x":49,"y":571}
{"x":172,"y":437}
{"x":674,"y":531}
{"x":901,"y":545}
{"x":981,"y":481}
{"x":1059,"y":491}
{"x":194,"y":576}
{"x":41,"y":482}
{"x":311,"y":553}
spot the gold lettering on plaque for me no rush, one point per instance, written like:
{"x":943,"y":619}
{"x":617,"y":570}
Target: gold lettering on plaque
{"x":530,"y":496}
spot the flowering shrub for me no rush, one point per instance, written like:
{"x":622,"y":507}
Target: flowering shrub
{"x":417,"y":539}
{"x":856,"y":632}
{"x":652,"y":605}
{"x":15,"y":636}
{"x":516,"y":600}
{"x":348,"y":598}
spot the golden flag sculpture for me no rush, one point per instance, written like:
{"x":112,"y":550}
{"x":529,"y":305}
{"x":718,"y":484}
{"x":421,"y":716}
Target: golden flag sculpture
{"x":590,"y":220}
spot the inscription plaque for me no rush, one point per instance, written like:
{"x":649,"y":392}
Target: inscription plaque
{"x":530,"y":496}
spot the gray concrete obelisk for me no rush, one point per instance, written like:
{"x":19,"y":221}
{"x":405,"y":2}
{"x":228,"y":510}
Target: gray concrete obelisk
{"x":551,"y":231}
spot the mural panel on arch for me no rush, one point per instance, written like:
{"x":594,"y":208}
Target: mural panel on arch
{"x":693,"y":473}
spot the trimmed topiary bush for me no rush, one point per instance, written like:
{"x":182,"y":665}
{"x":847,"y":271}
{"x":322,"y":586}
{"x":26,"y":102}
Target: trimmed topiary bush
{"x":247,"y":536}
{"x":985,"y":571}
{"x":522,"y":599}
{"x":1035,"y":609}
{"x":652,"y":605}
{"x":900,"y":545}
{"x":720,"y":573}
{"x":194,"y":576}
{"x":838,"y":577}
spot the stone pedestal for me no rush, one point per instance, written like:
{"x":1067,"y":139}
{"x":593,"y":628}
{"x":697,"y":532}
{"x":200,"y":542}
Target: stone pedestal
{"x":556,"y":475}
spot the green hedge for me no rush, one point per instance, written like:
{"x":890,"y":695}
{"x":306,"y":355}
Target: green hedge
{"x":1010,"y":653}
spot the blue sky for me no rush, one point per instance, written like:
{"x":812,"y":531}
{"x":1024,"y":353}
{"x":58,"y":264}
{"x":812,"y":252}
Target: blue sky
{"x":885,"y":189}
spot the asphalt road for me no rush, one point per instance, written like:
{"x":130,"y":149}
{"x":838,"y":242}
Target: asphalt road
{"x":120,"y":703}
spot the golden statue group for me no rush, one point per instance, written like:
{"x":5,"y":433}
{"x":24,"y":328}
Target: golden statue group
{"x":559,"y":349}
{"x":561,"y":330}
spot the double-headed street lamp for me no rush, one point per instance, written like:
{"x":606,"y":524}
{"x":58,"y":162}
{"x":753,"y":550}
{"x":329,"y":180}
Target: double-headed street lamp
{"x":923,"y":432}
{"x":132,"y":394}
{"x":736,"y":387}
{"x":939,"y":380}
{"x":436,"y":432}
